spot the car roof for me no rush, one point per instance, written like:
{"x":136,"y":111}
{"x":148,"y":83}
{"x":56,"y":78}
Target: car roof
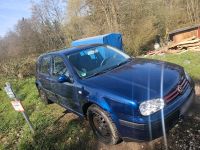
{"x":71,"y":50}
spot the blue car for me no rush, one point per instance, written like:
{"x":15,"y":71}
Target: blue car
{"x":122,"y":97}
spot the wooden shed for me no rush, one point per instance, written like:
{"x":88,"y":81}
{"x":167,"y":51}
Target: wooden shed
{"x":180,"y":34}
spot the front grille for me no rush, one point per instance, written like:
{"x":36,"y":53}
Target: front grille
{"x":177,"y":91}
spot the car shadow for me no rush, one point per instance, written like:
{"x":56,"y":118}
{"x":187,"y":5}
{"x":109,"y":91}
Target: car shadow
{"x":59,"y":118}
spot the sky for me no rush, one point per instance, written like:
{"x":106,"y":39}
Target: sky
{"x":11,"y":11}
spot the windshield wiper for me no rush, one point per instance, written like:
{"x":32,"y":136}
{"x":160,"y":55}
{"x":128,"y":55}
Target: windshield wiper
{"x":106,"y":70}
{"x":124,"y":62}
{"x":101,"y":72}
{"x":96,"y":74}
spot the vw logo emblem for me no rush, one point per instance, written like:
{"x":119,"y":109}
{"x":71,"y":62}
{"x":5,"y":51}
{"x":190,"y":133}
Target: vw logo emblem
{"x":180,"y":89}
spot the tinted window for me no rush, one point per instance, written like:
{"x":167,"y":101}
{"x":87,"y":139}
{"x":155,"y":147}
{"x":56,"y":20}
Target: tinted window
{"x":45,"y":65}
{"x":59,"y":67}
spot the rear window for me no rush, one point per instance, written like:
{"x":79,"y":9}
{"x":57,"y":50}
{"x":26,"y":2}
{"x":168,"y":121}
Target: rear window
{"x":45,"y":65}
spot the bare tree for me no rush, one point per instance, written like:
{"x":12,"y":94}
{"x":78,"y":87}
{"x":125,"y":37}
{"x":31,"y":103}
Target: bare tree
{"x":49,"y":16}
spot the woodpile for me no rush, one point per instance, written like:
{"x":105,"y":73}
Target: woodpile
{"x":188,"y":44}
{"x":191,"y":44}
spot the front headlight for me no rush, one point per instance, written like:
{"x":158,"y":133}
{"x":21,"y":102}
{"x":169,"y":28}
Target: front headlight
{"x":151,"y":106}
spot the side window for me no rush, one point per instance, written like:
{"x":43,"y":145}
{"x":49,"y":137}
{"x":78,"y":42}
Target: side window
{"x":45,"y":65}
{"x":59,"y":67}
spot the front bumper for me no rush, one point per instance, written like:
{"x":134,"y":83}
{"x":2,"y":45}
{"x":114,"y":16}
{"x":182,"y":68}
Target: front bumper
{"x":146,"y":132}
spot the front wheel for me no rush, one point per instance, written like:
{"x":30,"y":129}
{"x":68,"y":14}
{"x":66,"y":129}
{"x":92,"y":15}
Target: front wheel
{"x":102,"y":125}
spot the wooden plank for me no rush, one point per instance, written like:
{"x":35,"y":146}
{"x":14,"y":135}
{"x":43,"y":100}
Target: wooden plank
{"x":189,"y":45}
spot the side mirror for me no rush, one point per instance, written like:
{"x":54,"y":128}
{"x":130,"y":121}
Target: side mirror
{"x":63,"y":78}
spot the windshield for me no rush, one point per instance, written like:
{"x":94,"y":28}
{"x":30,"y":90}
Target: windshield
{"x":96,"y":60}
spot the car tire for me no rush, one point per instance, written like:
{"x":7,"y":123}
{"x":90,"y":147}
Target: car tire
{"x":43,"y":97}
{"x":102,"y":125}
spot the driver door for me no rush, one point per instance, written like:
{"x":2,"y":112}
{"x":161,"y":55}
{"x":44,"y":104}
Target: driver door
{"x":64,"y":92}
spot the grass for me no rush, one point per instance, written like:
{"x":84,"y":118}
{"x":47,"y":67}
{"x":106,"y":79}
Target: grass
{"x":53,"y":129}
{"x":189,"y":60}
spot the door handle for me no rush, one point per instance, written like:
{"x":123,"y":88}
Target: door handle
{"x":49,"y":78}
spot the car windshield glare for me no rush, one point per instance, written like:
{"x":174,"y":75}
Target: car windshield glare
{"x":93,"y":61}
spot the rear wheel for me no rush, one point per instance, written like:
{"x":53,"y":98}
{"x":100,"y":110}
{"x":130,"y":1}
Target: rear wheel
{"x":43,"y":97}
{"x":102,"y":125}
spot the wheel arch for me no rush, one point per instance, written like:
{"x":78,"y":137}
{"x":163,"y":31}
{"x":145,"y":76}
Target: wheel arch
{"x":85,"y":108}
{"x":100,"y":103}
{"x":103,"y":105}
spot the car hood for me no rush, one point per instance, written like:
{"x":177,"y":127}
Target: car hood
{"x":137,"y":80}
